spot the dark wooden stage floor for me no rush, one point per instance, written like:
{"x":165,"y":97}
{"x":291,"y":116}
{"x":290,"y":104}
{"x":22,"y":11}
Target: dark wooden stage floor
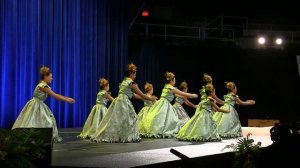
{"x":73,"y":152}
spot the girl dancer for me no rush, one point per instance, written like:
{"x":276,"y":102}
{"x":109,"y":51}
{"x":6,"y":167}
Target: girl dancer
{"x":207,"y":79}
{"x":36,"y":113}
{"x":182,"y":115}
{"x":147,"y":104}
{"x":162,"y":121}
{"x":92,"y":123}
{"x":201,"y":127}
{"x":120,"y":123}
{"x":229,"y":125}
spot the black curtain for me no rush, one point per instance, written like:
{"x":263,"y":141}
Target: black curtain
{"x":269,"y":76}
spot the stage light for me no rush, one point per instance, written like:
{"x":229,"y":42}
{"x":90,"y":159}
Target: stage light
{"x":261,"y":40}
{"x":145,"y":13}
{"x":278,"y":41}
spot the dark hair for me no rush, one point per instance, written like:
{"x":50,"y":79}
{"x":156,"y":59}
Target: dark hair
{"x":130,"y":68}
{"x":230,"y":86}
{"x":169,"y":76}
{"x":207,"y":79}
{"x":44,"y":72}
{"x":103,"y":83}
{"x":183,"y":85}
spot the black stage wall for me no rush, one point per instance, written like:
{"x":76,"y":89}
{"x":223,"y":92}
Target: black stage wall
{"x":270,"y":76}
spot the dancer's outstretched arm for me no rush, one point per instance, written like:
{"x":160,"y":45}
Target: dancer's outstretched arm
{"x":177,"y":95}
{"x":187,"y":95}
{"x":186,"y":101}
{"x":57,"y":96}
{"x":217,"y":108}
{"x":244,"y":103}
{"x":190,"y":104}
{"x":136,"y":96}
{"x":140,"y":94}
{"x":109,"y":97}
{"x":219,"y":101}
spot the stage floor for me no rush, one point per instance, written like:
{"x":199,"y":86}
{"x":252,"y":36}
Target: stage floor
{"x":75,"y":152}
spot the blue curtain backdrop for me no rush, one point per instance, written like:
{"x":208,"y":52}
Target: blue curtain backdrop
{"x":80,"y":40}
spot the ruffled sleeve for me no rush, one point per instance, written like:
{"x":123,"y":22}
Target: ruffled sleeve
{"x":170,"y":87}
{"x":202,"y":91}
{"x":43,"y":85}
{"x":129,"y":81}
{"x":102,"y":93}
{"x":234,"y":96}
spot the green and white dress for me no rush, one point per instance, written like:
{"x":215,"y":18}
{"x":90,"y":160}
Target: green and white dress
{"x":143,"y":113}
{"x":36,"y":114}
{"x":182,"y":114}
{"x":162,"y":121}
{"x":201,"y":127}
{"x":91,"y":125}
{"x":229,"y":125}
{"x":120,"y":123}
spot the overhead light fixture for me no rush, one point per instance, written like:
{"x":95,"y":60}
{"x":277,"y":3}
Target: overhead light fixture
{"x":278,"y":41}
{"x":261,"y":40}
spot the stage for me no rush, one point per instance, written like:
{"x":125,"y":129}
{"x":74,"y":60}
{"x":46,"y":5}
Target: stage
{"x":73,"y":152}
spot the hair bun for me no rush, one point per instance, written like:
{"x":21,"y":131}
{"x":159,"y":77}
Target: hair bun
{"x":169,"y":76}
{"x":131,"y":67}
{"x":103,"y":83}
{"x":44,"y":71}
{"x":183,"y":85}
{"x":230,"y":85}
{"x":209,"y":88}
{"x":148,"y":87}
{"x":207,"y":78}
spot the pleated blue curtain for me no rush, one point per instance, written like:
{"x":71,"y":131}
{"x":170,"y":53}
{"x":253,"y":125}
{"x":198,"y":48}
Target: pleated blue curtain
{"x":80,"y":40}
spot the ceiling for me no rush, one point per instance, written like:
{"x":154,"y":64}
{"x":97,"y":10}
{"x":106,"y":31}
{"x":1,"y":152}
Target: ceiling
{"x":178,"y":11}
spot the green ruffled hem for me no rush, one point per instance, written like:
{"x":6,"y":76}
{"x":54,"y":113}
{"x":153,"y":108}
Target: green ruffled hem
{"x":163,"y":136}
{"x":200,"y":139}
{"x":84,"y":136}
{"x":230,"y":136}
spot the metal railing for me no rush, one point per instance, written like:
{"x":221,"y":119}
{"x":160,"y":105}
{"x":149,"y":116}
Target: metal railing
{"x":220,"y":22}
{"x":175,"y":31}
{"x":276,"y":27}
{"x":225,"y":28}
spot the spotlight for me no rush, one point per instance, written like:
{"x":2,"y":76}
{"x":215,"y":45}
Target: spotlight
{"x":261,"y":40}
{"x":278,"y":41}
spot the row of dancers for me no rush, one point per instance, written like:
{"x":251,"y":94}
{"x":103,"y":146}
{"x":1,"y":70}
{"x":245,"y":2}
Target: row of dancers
{"x":157,"y":119}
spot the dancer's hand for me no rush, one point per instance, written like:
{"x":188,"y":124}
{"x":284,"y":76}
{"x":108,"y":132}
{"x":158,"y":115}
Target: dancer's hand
{"x":154,"y":98}
{"x":195,"y":95}
{"x":70,"y":100}
{"x":195,"y":106}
